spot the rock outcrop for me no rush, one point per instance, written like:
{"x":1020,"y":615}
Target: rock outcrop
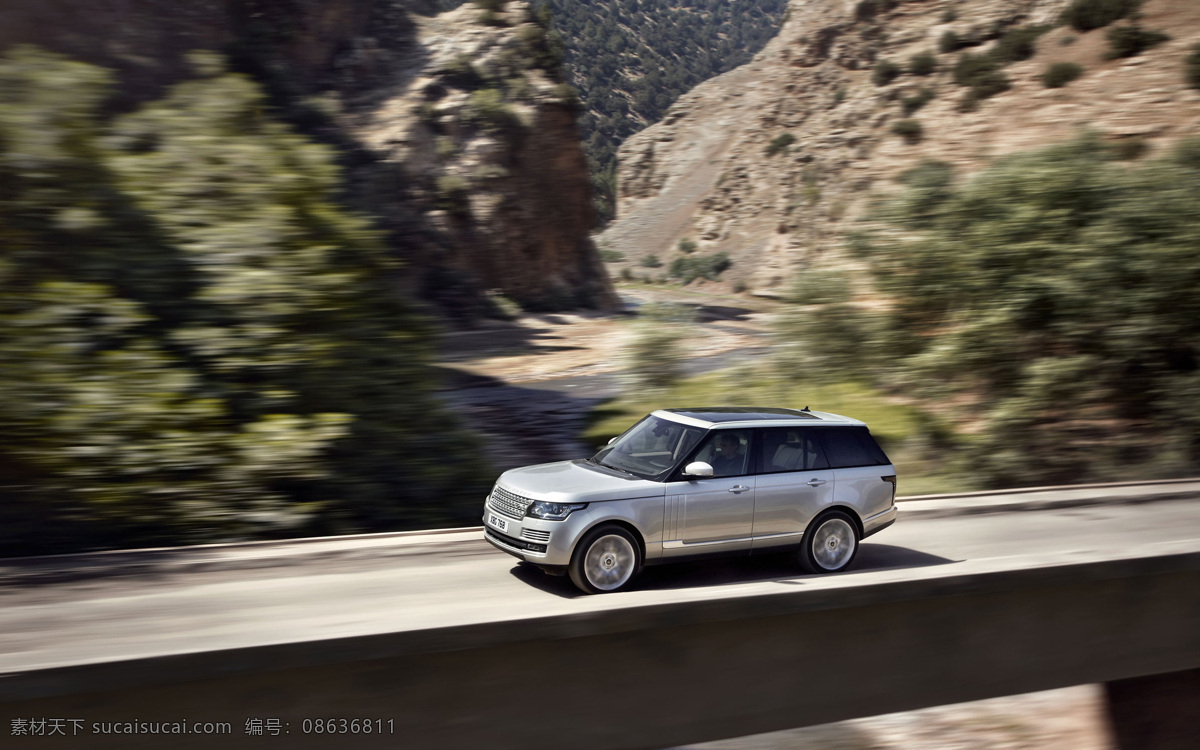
{"x":710,"y":172}
{"x":458,"y":133}
{"x":480,"y":127}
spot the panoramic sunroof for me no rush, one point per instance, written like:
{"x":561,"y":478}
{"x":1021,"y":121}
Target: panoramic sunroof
{"x":741,"y":413}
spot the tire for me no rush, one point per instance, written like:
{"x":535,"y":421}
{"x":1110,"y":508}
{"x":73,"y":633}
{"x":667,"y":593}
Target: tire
{"x":605,"y":560}
{"x":825,"y":545}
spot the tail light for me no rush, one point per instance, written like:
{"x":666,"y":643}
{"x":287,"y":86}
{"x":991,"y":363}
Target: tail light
{"x":891,"y":479}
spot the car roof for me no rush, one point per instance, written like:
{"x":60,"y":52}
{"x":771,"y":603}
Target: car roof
{"x":753,"y":416}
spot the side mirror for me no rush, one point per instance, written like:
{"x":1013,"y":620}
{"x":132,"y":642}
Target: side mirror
{"x":698,"y":469}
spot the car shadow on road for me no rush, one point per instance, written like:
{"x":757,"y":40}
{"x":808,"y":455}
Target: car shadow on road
{"x":727,"y":571}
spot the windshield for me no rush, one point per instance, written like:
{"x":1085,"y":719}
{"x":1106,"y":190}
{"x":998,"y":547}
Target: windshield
{"x":650,"y":448}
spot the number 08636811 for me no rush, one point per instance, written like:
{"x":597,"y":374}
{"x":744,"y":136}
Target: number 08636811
{"x":348,"y":726}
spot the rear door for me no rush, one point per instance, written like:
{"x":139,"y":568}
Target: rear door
{"x":860,"y":466}
{"x":794,"y":482}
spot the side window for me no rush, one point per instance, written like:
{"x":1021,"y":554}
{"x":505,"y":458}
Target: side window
{"x":727,"y":451}
{"x":878,"y":457}
{"x":851,"y":446}
{"x":791,"y":449}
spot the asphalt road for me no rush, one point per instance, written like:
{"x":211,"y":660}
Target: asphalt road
{"x":198,"y":600}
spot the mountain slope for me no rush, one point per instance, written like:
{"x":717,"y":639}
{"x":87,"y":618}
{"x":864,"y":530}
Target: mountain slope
{"x":709,"y":171}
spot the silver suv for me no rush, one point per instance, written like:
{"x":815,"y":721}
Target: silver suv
{"x":684,"y":483}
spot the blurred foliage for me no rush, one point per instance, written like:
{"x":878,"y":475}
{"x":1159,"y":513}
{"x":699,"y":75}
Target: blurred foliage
{"x":779,"y":144}
{"x":922,"y":64}
{"x":1131,"y":40}
{"x":1016,"y":44}
{"x":199,"y":342}
{"x":884,"y":72}
{"x":1049,"y":301}
{"x":655,"y":354}
{"x":1085,"y":15}
{"x":867,"y":10}
{"x":910,"y":130}
{"x":688,"y":268}
{"x":1191,"y":68}
{"x":910,"y":104}
{"x":1059,"y":74}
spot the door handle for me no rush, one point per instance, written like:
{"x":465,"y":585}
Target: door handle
{"x":737,"y":489}
{"x":815,"y":482}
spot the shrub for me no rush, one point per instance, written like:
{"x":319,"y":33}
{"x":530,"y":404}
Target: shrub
{"x":911,"y":104}
{"x":651,"y":261}
{"x":691,"y":267}
{"x":627,"y":274}
{"x":1067,"y":40}
{"x":491,"y":9}
{"x":1060,"y":74}
{"x":1127,"y":41}
{"x":949,"y":42}
{"x":655,"y":356}
{"x":922,"y":64}
{"x":982,"y":74}
{"x":950,"y":16}
{"x":611,"y":256}
{"x":866,"y":10}
{"x":1017,"y":44}
{"x":1129,"y":149}
{"x":453,"y":194}
{"x":486,"y":109}
{"x":1085,"y":15}
{"x":910,"y":130}
{"x":500,"y":306}
{"x":1191,"y":68}
{"x":462,"y":73}
{"x":444,"y":148}
{"x":885,"y":72}
{"x":687,"y":246}
{"x":991,"y":294}
{"x":779,"y":143}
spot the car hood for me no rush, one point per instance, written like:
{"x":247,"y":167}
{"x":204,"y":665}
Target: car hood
{"x":575,"y":482}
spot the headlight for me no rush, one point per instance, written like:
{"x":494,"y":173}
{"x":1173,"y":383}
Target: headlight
{"x":553,"y":511}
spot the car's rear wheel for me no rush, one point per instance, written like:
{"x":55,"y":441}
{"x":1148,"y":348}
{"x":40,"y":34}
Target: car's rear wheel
{"x":605,"y":560}
{"x":830,"y":543}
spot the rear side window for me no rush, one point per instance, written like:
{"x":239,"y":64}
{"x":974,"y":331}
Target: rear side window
{"x":791,"y":449}
{"x":851,"y":446}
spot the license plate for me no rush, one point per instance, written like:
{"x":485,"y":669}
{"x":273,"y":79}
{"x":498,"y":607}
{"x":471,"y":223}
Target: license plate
{"x":497,"y":522}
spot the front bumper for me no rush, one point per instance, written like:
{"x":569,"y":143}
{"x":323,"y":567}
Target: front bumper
{"x":534,"y":540}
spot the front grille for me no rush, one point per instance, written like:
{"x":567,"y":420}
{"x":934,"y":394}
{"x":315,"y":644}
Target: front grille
{"x":513,"y":506}
{"x":536,"y":535}
{"x":517,"y":543}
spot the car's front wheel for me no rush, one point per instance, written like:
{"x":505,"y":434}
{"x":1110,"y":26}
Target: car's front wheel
{"x":830,"y":543}
{"x":605,"y":560}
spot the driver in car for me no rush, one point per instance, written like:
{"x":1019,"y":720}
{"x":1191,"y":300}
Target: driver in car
{"x":727,"y":462}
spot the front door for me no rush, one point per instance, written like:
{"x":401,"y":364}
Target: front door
{"x":714,"y":513}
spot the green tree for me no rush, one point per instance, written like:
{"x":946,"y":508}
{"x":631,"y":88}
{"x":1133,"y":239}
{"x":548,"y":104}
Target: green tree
{"x":1053,"y":294}
{"x":199,"y":341}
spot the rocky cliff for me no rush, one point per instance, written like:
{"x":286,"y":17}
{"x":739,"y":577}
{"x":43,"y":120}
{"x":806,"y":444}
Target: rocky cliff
{"x":456,"y":129}
{"x":777,"y":161}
